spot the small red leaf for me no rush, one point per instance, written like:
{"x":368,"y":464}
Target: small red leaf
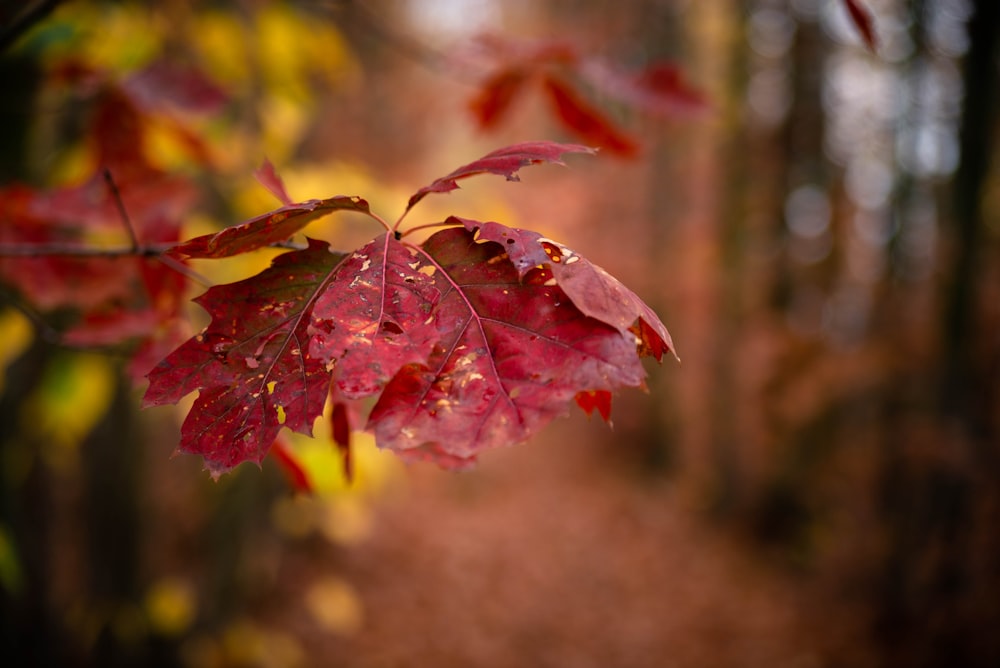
{"x":290,"y":464}
{"x":503,"y":162}
{"x":863,"y":21}
{"x":341,"y":431}
{"x":589,"y":124}
{"x":497,"y":95}
{"x":269,"y":178}
{"x":273,"y":227}
{"x":595,"y":400}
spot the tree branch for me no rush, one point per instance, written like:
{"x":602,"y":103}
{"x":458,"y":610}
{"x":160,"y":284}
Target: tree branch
{"x":28,"y":18}
{"x":74,"y":250}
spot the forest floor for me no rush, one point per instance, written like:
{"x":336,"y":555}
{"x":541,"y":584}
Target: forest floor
{"x":549,"y":554}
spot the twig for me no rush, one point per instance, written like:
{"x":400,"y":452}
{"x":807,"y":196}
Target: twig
{"x":126,"y":221}
{"x":29,"y":17}
{"x":73,"y":250}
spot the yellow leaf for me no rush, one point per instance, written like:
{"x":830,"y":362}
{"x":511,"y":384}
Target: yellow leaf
{"x":335,"y":605}
{"x":74,"y":393}
{"x":347,"y":520}
{"x":170,"y":606}
{"x":16,"y":334}
{"x":221,"y":42}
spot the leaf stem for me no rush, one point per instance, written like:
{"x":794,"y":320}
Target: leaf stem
{"x":381,"y":221}
{"x":399,"y":221}
{"x":428,"y":226}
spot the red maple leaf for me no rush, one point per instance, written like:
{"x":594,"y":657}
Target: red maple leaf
{"x":497,"y":95}
{"x":272,"y":227}
{"x":559,"y":69}
{"x":586,"y":121}
{"x":252,"y":364}
{"x":504,"y":162}
{"x":473,"y":339}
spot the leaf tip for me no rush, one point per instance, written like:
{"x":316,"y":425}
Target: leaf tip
{"x":268,"y":177}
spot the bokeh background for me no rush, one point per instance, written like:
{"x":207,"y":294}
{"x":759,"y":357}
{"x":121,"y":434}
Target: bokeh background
{"x":814,"y":484}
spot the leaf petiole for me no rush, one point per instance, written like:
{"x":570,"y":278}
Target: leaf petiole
{"x":428,"y":226}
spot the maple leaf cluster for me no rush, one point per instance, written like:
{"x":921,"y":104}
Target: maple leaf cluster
{"x":474,"y":338}
{"x":561,"y":71}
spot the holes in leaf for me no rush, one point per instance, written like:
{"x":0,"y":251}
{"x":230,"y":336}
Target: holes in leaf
{"x":391,"y":328}
{"x":541,"y":275}
{"x":553,"y":251}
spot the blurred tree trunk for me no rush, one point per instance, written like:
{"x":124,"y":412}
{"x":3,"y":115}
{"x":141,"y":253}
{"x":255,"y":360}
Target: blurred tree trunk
{"x":727,"y":435}
{"x":964,"y":384}
{"x":32,"y":634}
{"x":937,"y":600}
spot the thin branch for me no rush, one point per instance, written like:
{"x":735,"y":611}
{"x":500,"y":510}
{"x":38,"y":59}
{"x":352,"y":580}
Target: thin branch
{"x":126,"y":221}
{"x":28,"y":18}
{"x":75,"y":250}
{"x":48,"y":333}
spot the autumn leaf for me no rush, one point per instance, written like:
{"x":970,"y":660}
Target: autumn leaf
{"x":591,"y":289}
{"x":497,"y":95}
{"x":340,"y":431}
{"x":586,"y":121}
{"x":272,"y":227}
{"x":268,"y":177}
{"x":289,"y":462}
{"x":510,"y":356}
{"x":464,"y":351}
{"x":474,"y":339}
{"x":563,"y":72}
{"x":252,"y":364}
{"x":504,"y":162}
